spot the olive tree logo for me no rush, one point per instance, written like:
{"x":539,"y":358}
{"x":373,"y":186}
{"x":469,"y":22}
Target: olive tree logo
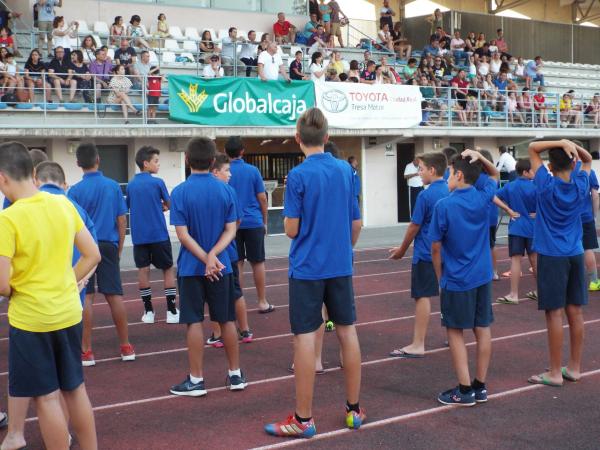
{"x":192,"y":98}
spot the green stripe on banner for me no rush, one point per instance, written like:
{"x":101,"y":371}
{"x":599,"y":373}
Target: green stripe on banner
{"x":238,"y":101}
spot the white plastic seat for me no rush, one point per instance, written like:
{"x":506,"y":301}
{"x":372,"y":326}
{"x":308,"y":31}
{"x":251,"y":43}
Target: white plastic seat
{"x":111,"y":53}
{"x":190,"y":45}
{"x":176,"y":33}
{"x":346,"y":65}
{"x":83,"y":26}
{"x":101,"y":28}
{"x":74,"y":43}
{"x":97,"y":40}
{"x":168,"y":57}
{"x":192,"y":33}
{"x":171,"y":44}
{"x":222,"y":34}
{"x":153,"y":57}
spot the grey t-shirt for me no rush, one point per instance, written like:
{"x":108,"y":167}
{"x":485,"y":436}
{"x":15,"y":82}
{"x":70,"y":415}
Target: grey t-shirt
{"x":46,"y":11}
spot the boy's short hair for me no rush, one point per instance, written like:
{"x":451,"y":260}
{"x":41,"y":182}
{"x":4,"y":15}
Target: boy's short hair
{"x":200,"y":153}
{"x":234,"y":146}
{"x":332,"y":148}
{"x":87,"y":155}
{"x":15,"y":161}
{"x":437,"y":160}
{"x":559,"y":159}
{"x":470,"y":171}
{"x":50,"y":172}
{"x":449,"y":152}
{"x":145,"y":154}
{"x":523,"y":165}
{"x":312,"y":127}
{"x":343,"y":76}
{"x":298,"y":53}
{"x":37,"y":156}
{"x":220,"y":160}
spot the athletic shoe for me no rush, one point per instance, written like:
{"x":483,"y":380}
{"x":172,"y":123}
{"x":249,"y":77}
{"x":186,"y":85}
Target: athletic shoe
{"x":215,"y":342}
{"x":455,"y":397}
{"x":495,"y":277}
{"x":532,"y":295}
{"x":292,"y":428}
{"x":594,"y":286}
{"x":329,"y":326}
{"x":354,"y":420}
{"x":87,"y":359}
{"x":173,"y":317}
{"x":480,"y":395}
{"x":189,"y":389}
{"x":148,"y":317}
{"x":127,"y":353}
{"x":236,"y":382}
{"x":246,"y":336}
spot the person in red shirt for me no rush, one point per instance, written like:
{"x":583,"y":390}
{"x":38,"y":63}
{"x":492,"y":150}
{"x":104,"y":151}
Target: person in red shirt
{"x":6,"y":40}
{"x":285,"y":32}
{"x":154,"y":92}
{"x":539,"y":104}
{"x":460,"y":90}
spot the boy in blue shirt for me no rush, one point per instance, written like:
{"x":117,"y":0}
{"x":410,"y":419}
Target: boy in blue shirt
{"x":557,"y":238}
{"x":590,"y":238}
{"x":147,"y":199}
{"x":520,"y":195}
{"x":103,"y":200}
{"x":323,"y":220}
{"x":248,"y":185}
{"x":424,"y":283}
{"x":460,"y":238}
{"x":203,"y":212}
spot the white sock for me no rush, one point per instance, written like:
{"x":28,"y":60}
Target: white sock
{"x":195,"y":380}
{"x":237,"y":372}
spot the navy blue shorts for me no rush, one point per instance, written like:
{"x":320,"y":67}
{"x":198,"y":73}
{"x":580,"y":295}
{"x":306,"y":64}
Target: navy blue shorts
{"x":561,"y":281}
{"x":108,"y":273}
{"x":518,"y":245}
{"x":194,"y":292}
{"x":423,"y":282}
{"x":308,"y":296}
{"x":237,"y":288}
{"x":590,"y":238}
{"x":467,"y":309}
{"x":159,"y":254}
{"x":251,"y":244}
{"x":41,"y":363}
{"x":492,"y":237}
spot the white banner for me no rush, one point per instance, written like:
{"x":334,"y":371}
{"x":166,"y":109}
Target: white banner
{"x":362,"y":106}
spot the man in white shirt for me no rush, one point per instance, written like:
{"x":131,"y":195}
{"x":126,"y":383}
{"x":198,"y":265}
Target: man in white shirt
{"x":248,"y":53}
{"x":214,"y":69}
{"x":270,"y":65}
{"x":506,"y":164}
{"x":415,"y":184}
{"x":457,"y":45}
{"x":386,"y":15}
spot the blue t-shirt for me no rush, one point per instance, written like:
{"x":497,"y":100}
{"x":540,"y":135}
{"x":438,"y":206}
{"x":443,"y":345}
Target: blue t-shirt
{"x":520,"y":196}
{"x":446,"y":173}
{"x":492,"y":208}
{"x":204,"y":205}
{"x":426,"y":201}
{"x":145,"y":197}
{"x":321,"y":193}
{"x":6,"y":203}
{"x":103,"y":200}
{"x":357,"y":186}
{"x":501,"y":85}
{"x":232,"y":248}
{"x":460,"y":223}
{"x":247,"y":183}
{"x":557,"y":228}
{"x":588,"y":210}
{"x":46,"y":12}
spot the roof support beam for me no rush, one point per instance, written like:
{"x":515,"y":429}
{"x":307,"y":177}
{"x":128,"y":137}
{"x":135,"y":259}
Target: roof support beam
{"x":503,"y":5}
{"x":581,"y":13}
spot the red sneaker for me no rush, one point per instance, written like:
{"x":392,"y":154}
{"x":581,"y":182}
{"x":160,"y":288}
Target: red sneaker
{"x":291,"y":428}
{"x":127,"y":353}
{"x":87,"y":359}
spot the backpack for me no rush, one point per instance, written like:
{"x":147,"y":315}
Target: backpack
{"x":10,"y":99}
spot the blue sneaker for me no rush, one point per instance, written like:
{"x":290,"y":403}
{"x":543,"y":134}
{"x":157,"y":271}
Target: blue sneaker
{"x":480,"y":395}
{"x":455,"y":397}
{"x":236,"y":382}
{"x":189,"y":389}
{"x":292,"y":428}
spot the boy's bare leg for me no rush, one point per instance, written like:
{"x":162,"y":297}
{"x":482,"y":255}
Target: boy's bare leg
{"x":533,"y":262}
{"x":169,"y":277}
{"x":304,"y":372}
{"x":17,"y":411}
{"x":515,"y":276}
{"x":576,"y":333}
{"x":53,"y":424}
{"x":484,"y":351}
{"x":352,"y":358}
{"x":144,"y":277}
{"x":460,"y":360}
{"x":241,"y":313}
{"x":259,"y":273}
{"x":230,"y":340}
{"x":195,"y":345}
{"x":88,"y":323}
{"x":82,"y":417}
{"x":119,"y":316}
{"x":554,"y":323}
{"x":422,"y":313}
{"x":319,"y":335}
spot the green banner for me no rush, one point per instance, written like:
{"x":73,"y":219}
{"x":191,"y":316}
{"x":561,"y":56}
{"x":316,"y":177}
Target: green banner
{"x":238,"y":101}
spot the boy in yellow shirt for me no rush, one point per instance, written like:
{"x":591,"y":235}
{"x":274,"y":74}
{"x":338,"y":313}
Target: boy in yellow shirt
{"x":44,"y":310}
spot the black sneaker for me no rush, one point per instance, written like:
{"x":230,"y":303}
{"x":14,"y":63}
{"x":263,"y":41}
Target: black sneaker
{"x":455,"y":397}
{"x":236,"y":382}
{"x":189,"y":389}
{"x":481,"y":395}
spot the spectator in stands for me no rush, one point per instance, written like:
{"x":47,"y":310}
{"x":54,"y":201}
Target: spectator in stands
{"x":5,"y":17}
{"x":482,"y":51}
{"x":367,"y":76}
{"x":472,"y":68}
{"x":325,"y":15}
{"x":335,"y":62}
{"x":296,"y":72}
{"x":593,"y":110}
{"x":45,"y":20}
{"x":248,"y":54}
{"x":409,"y":71}
{"x":480,"y":40}
{"x":154,"y":92}
{"x":483,"y":68}
{"x":313,"y":8}
{"x":384,"y":38}
{"x":539,"y":104}
{"x":60,"y":74}
{"x":490,"y":90}
{"x":471,"y":42}
{"x":214,"y":69}
{"x":162,"y":27}
{"x":207,"y":46}
{"x":436,"y":20}
{"x":512,"y":108}
{"x":102,"y":67}
{"x":34,"y":75}
{"x":519,"y":72}
{"x":88,"y":49}
{"x":229,"y":48}
{"x":270,"y":64}
{"x":263,"y":45}
{"x":331,"y":75}
{"x":389,"y":71}
{"x":386,"y":15}
{"x":285,"y":32}
{"x":6,"y":40}
{"x":533,"y":72}
{"x":401,"y":44}
{"x":366,"y":58}
{"x":126,"y":56}
{"x":141,"y":69}
{"x":354,"y":72}
{"x":433,"y":48}
{"x":495,"y":63}
{"x":383,"y":76}
{"x":119,"y":86}
{"x":117,"y":30}
{"x":338,"y":18}
{"x":309,"y":29}
{"x":501,"y":44}
{"x":319,"y":41}
{"x":460,"y":89}
{"x":440,"y":71}
{"x":316,"y":70}
{"x":569,"y":113}
{"x":458,"y":49}
{"x":501,"y":83}
{"x":136,"y":33}
{"x":443,"y":37}
{"x":12,"y":79}
{"x":525,"y":105}
{"x":62,"y":34}
{"x":81,"y":75}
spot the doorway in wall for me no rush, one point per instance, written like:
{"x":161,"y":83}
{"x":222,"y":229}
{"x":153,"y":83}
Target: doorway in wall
{"x":405,"y":153}
{"x":114,"y":163}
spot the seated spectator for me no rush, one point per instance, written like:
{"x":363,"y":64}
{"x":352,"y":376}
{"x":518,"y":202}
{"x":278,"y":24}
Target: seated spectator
{"x":519,"y":72}
{"x":383,"y":77}
{"x":533,"y":72}
{"x":401,"y":46}
{"x":502,"y":45}
{"x":319,"y":41}
{"x":35,"y":69}
{"x":6,"y":40}
{"x":88,"y":49}
{"x":472,"y":68}
{"x":367,"y":76}
{"x":136,"y":33}
{"x":214,"y":69}
{"x":443,"y":38}
{"x":309,"y":29}
{"x":471,"y":42}
{"x":483,"y":68}
{"x":472,"y":106}
{"x":525,"y":105}
{"x":344,"y":78}
{"x":126,"y":56}
{"x":501,"y":83}
{"x":62,"y":34}
{"x":119,"y":86}
{"x":5,"y":19}
{"x":248,"y":54}
{"x":490,"y":90}
{"x":458,"y":49}
{"x":433,"y":48}
{"x":408,"y":73}
{"x":316,"y":70}
{"x":207,"y":46}
{"x":425,"y":68}
{"x":154,"y":92}
{"x":117,"y":30}
{"x":539,"y":104}
{"x":593,"y":110}
{"x":569,"y":113}
{"x":335,"y":62}
{"x":296,"y":72}
{"x":60,"y":74}
{"x":162,"y":27}
{"x":82,"y":77}
{"x":480,"y":40}
{"x":427,"y":90}
{"x":285,"y":32}
{"x":101,"y":67}
{"x":495,"y":63}
{"x":354,"y":71}
{"x":440,"y":71}
{"x":265,"y":40}
{"x":384,"y":38}
{"x":270,"y":64}
{"x":366,"y":58}
{"x":389,"y":71}
{"x":460,"y":90}
{"x":12,"y":79}
{"x":493,"y":47}
{"x":482,"y":51}
{"x":512,"y":109}
{"x":331,"y":75}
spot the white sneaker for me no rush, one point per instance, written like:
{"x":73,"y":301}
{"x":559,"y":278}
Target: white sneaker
{"x":148,"y":317}
{"x":172,"y":317}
